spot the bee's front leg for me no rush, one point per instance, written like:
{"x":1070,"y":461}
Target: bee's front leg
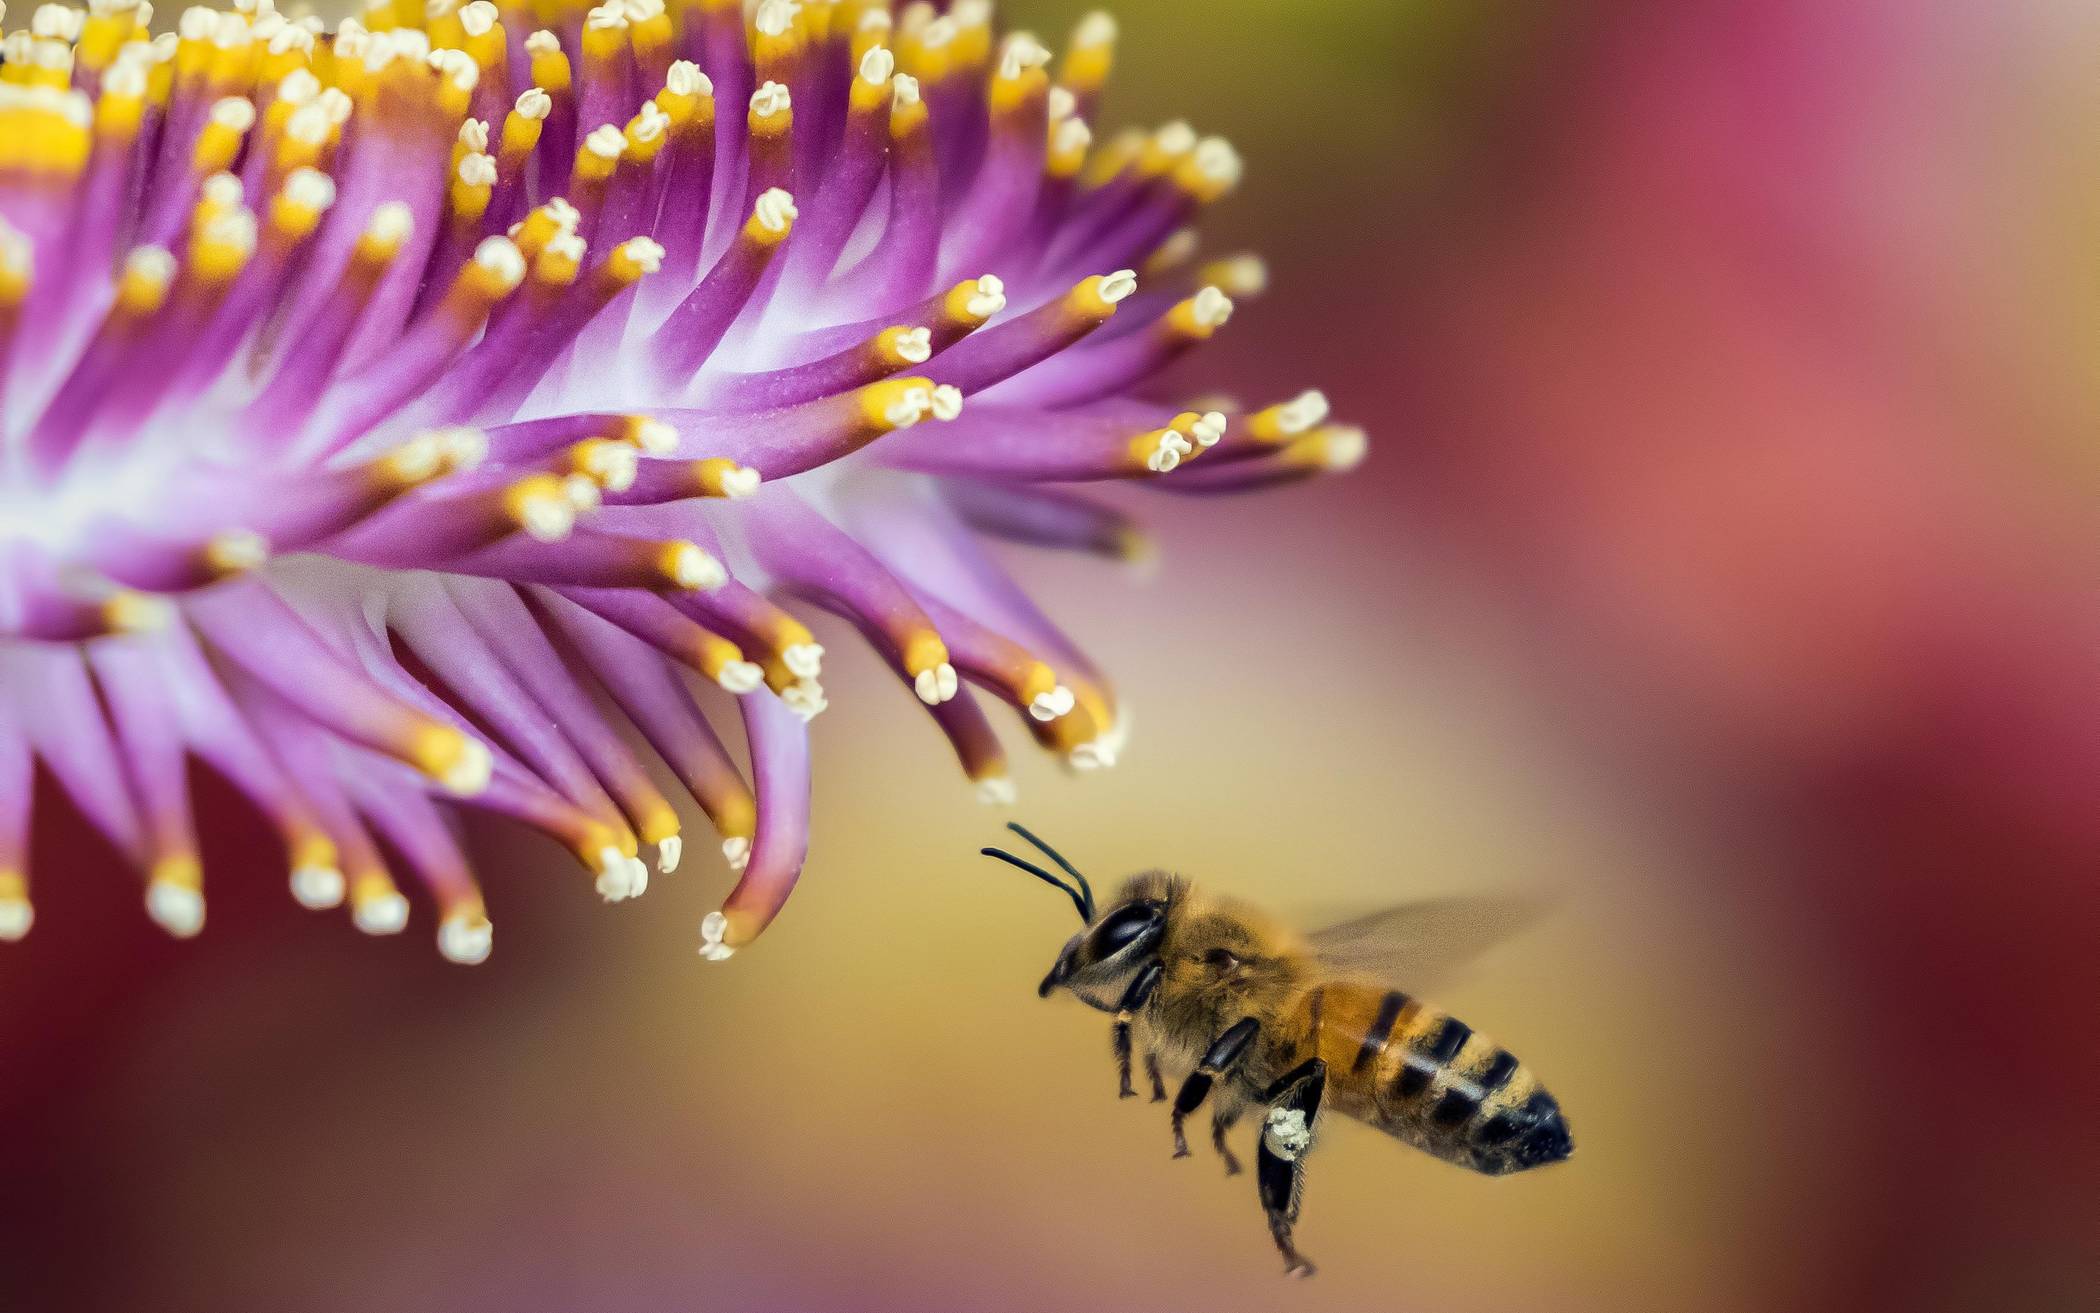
{"x":1222,"y":1056}
{"x":1159,"y":1086}
{"x":1134,"y":999}
{"x":1286,"y":1137}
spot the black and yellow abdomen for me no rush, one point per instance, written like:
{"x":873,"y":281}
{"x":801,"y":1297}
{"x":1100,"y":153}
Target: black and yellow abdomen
{"x":1423,"y":1076}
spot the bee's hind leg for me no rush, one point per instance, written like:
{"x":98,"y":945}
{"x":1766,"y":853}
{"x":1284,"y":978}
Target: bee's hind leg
{"x":1286,"y":1137}
{"x":1134,"y":1000}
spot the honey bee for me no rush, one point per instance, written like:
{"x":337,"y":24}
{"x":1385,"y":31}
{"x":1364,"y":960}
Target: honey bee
{"x":1247,"y":1013}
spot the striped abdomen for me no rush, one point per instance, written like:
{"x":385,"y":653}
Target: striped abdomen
{"x":1426,"y":1077}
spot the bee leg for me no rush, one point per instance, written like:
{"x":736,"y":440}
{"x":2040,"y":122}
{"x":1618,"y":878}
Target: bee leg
{"x":1159,"y":1086}
{"x":1134,"y":999}
{"x":1223,"y":1055}
{"x":1222,"y":1122}
{"x":1279,"y":1168}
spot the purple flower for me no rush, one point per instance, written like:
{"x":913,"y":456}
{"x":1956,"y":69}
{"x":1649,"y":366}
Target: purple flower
{"x":369,"y":402}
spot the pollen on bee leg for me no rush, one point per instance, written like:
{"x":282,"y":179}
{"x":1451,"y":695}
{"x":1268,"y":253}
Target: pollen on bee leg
{"x":1287,"y":1133}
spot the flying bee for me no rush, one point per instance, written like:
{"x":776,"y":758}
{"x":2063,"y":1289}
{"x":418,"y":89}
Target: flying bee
{"x":1249,"y":1014}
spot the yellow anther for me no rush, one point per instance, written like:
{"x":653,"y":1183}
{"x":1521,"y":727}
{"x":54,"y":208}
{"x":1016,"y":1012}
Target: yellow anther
{"x":1066,"y":153}
{"x":559,"y":262}
{"x":1096,"y":298}
{"x":1091,"y":55}
{"x":895,"y":403}
{"x":550,"y":66}
{"x":539,"y":227}
{"x":448,"y":755}
{"x":922,"y":650}
{"x":127,"y":612}
{"x":633,"y":258}
{"x":907,"y":108}
{"x":772,"y":218}
{"x":143,"y":286}
{"x":718,"y":476}
{"x":223,"y":134}
{"x":219,"y":249}
{"x":1117,"y":154}
{"x":902,"y":345}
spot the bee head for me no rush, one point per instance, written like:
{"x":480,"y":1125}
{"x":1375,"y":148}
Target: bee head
{"x":1096,"y":961}
{"x":1113,"y":944}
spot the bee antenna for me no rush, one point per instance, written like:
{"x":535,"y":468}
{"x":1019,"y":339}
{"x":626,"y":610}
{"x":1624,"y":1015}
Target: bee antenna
{"x":1043,"y":875}
{"x":1084,"y":888}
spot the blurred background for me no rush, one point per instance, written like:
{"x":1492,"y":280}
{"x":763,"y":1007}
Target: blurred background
{"x":1724,"y":569}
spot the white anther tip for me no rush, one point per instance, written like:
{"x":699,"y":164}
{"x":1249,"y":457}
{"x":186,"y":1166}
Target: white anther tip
{"x":318,"y":888}
{"x":695,"y":569}
{"x":466,"y":940}
{"x":936,"y":684}
{"x":915,"y":345}
{"x":656,"y":438}
{"x":742,"y":481}
{"x":16,"y":916}
{"x":775,"y":210}
{"x":805,"y":697}
{"x":1303,"y":411}
{"x":877,"y":66}
{"x":617,"y":875}
{"x":175,"y":908}
{"x":990,"y":298}
{"x":713,"y":928}
{"x":736,"y":852}
{"x":804,"y":660}
{"x":686,"y":79}
{"x":770,"y":99}
{"x":1058,"y":702}
{"x":381,"y":914}
{"x":1119,"y":285}
{"x":997,"y":791}
{"x":1346,"y":448}
{"x":668,"y":853}
{"x":1212,"y":307}
{"x":469,"y":775}
{"x":741,"y":677}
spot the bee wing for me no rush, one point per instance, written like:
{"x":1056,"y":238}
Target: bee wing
{"x":1423,"y":942}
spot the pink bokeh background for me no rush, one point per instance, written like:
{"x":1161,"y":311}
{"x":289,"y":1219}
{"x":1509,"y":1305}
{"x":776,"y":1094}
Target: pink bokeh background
{"x":1724,"y":568}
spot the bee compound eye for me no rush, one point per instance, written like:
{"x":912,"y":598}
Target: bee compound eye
{"x":1123,"y":927}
